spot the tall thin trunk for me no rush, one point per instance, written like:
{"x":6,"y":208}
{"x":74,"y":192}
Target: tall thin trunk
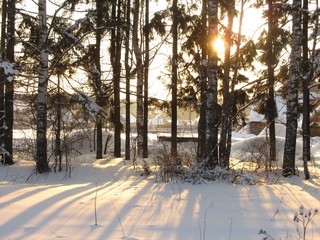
{"x":58,"y":155}
{"x":213,"y":108}
{"x":116,"y":58}
{"x":203,"y":83}
{"x":234,"y":78}
{"x":292,"y":101}
{"x":139,"y":66}
{"x":9,"y":86}
{"x":174,"y":79}
{"x":127,"y":69}
{"x":41,"y":154}
{"x":146,"y":83}
{"x":271,"y":113}
{"x":2,"y":76}
{"x":97,"y":78}
{"x":226,"y":123}
{"x":306,"y":94}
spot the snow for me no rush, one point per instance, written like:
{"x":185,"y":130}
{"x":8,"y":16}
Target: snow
{"x":8,"y":69}
{"x":132,"y":206}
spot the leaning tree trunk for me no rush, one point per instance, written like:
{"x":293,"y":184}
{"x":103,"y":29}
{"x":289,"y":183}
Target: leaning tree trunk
{"x":292,"y":101}
{"x":41,"y":154}
{"x":213,"y":108}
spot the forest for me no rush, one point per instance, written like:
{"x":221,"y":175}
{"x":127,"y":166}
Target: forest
{"x":84,"y":59}
{"x":132,"y":119}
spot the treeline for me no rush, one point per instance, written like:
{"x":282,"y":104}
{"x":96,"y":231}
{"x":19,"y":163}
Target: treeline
{"x":112,"y":44}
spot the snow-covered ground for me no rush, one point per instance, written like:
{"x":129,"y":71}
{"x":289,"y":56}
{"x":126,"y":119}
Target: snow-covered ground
{"x":131,"y":206}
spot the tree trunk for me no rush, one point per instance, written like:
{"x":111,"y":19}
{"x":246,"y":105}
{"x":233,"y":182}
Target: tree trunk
{"x":235,"y":64}
{"x":203,"y":84}
{"x":97,"y":78}
{"x":9,"y":86}
{"x":146,"y":83}
{"x":58,"y":152}
{"x":174,"y":80}
{"x":271,"y":105}
{"x":226,"y":122}
{"x":41,"y":154}
{"x":2,"y":77}
{"x":127,"y":69}
{"x":139,"y":66}
{"x":306,"y":69}
{"x":292,"y":101}
{"x":116,"y":58}
{"x":213,"y":108}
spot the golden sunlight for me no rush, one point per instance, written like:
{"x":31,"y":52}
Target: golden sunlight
{"x":218,"y":46}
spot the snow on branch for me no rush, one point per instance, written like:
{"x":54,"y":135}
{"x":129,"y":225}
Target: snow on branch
{"x":90,"y":105}
{"x":8,"y":69}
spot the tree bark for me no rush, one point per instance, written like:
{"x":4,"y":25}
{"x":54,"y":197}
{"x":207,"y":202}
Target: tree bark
{"x":203,"y":84}
{"x":174,"y":80}
{"x":2,"y":77}
{"x":213,"y":108}
{"x":97,"y":78}
{"x":127,"y":69}
{"x":41,"y":154}
{"x":271,"y":105}
{"x":139,"y":66}
{"x":292,"y":101}
{"x":146,"y":82}
{"x":307,"y":75}
{"x":116,"y":64}
{"x":9,"y":86}
{"x":226,"y":121}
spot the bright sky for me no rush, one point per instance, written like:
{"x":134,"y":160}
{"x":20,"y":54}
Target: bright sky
{"x":251,"y":22}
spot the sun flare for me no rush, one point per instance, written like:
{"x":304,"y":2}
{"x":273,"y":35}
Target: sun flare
{"x":218,"y":45}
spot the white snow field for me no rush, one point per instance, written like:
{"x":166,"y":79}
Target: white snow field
{"x":135,"y":207}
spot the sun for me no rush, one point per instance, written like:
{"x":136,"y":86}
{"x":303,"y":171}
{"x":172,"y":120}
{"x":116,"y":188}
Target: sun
{"x":218,"y":45}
